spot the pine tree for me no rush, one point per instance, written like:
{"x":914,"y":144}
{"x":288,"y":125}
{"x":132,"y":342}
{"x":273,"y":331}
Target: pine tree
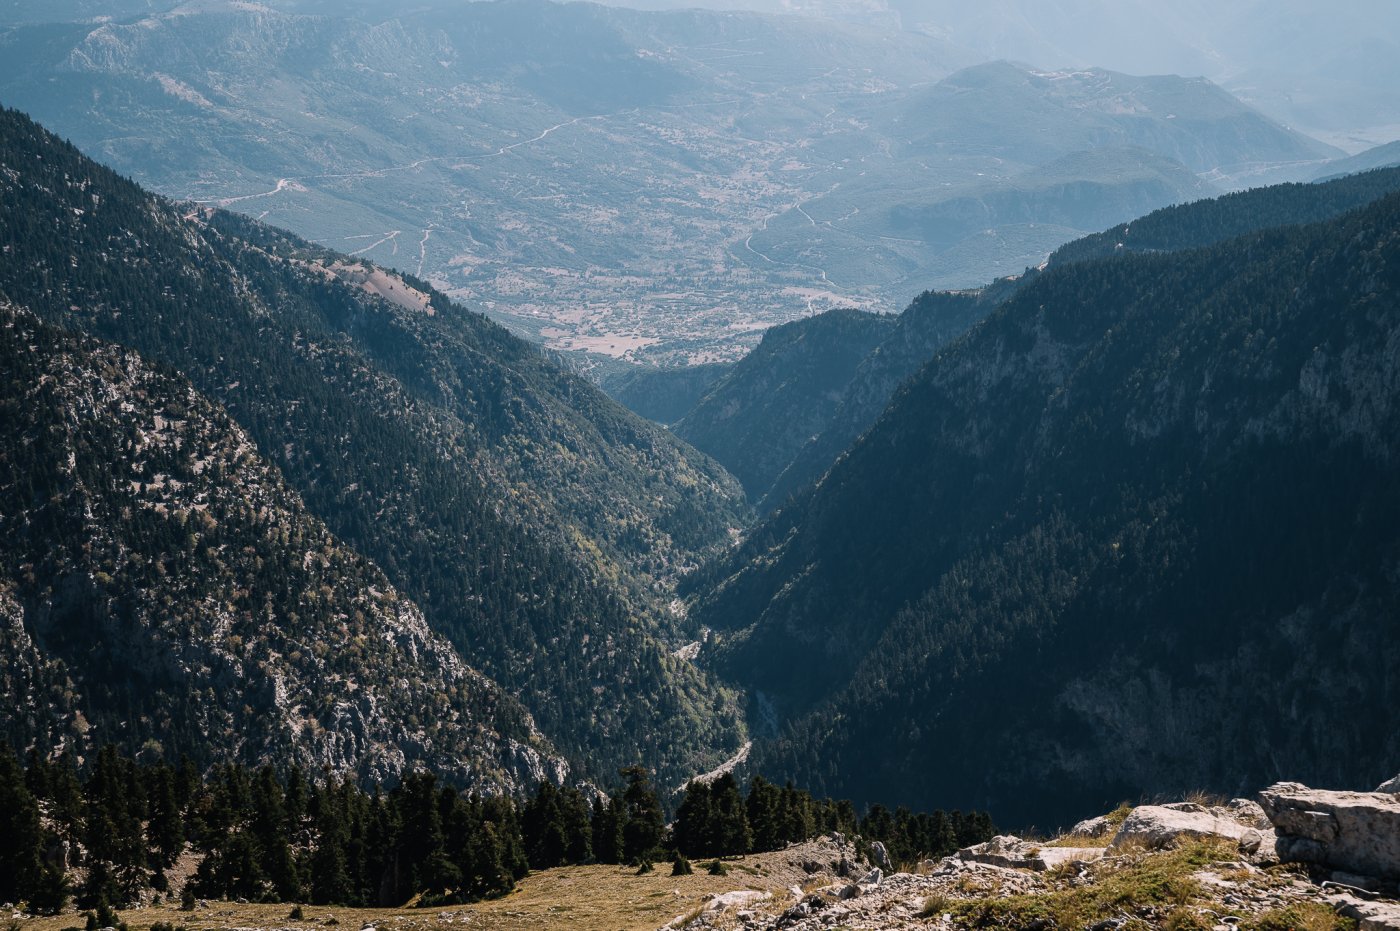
{"x":51,"y":892}
{"x":330,"y":880}
{"x":542,"y":824}
{"x":21,"y":849}
{"x":728,"y":830}
{"x":421,"y":841}
{"x":490,"y":874}
{"x":645,"y":825}
{"x":165,"y":827}
{"x":607,"y":829}
{"x":578,"y":842}
{"x":112,"y":830}
{"x":942,"y":841}
{"x":691,"y":830}
{"x":765,"y":817}
{"x":795,"y":810}
{"x":381,"y":877}
{"x":269,"y":829}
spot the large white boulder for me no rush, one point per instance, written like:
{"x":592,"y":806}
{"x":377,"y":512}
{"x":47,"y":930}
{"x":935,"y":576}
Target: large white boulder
{"x":1358,"y":832}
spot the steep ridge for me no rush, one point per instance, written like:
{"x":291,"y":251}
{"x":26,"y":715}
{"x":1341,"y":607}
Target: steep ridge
{"x":534,"y":521}
{"x":781,"y":394}
{"x":1204,"y":223}
{"x":664,"y":395}
{"x":934,"y":319}
{"x":163,"y":589}
{"x":1133,"y":533}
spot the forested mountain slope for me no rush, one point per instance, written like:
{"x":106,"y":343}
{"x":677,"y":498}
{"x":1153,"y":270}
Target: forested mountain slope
{"x":163,"y":589}
{"x":780,"y":395}
{"x":664,"y":395}
{"x":1134,"y":533}
{"x":532,"y":519}
{"x":933,"y":319}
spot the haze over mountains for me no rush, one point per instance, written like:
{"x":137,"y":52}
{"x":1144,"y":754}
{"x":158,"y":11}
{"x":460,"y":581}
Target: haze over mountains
{"x":655,"y":186}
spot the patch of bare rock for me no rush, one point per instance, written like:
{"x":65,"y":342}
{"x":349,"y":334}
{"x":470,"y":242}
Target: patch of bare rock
{"x":1294,"y":858}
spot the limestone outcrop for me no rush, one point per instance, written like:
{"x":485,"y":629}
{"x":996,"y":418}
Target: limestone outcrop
{"x":1358,"y":832}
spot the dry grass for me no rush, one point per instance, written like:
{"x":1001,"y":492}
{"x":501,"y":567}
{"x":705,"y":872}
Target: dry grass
{"x":606,"y":898}
{"x":1300,"y":916}
{"x":1158,"y":888}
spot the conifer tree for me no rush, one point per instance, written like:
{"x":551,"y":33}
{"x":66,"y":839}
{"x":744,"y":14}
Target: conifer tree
{"x":330,"y":880}
{"x":112,"y":832}
{"x":692,"y":825}
{"x":381,"y":877}
{"x":763,"y":806}
{"x":577,"y":830}
{"x":165,"y":826}
{"x":728,"y":832}
{"x":795,"y":810}
{"x":269,"y":829}
{"x":607,"y":829}
{"x":420,"y":848}
{"x":542,"y":824}
{"x":645,"y":824}
{"x":490,"y":875}
{"x":20,"y":834}
{"x":942,"y":841}
{"x":51,"y":892}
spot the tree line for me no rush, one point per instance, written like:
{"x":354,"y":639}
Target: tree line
{"x":267,"y":836}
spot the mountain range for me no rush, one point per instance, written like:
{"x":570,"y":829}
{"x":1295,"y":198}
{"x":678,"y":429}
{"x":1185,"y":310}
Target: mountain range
{"x":1118,"y":522}
{"x":687,"y":178}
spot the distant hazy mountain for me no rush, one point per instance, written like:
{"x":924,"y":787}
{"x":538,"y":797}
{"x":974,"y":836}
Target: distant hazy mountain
{"x":1134,"y":532}
{"x":1326,"y":68}
{"x":536,"y":523}
{"x":653,"y":186}
{"x":1381,"y":156}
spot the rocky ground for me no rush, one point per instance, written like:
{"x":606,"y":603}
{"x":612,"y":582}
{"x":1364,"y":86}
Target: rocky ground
{"x":1304,"y":860}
